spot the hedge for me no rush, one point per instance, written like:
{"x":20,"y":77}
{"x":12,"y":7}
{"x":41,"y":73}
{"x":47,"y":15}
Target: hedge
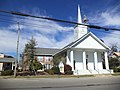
{"x":116,"y":69}
{"x":7,"y":73}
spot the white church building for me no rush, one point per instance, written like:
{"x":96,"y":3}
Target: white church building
{"x":86,"y":53}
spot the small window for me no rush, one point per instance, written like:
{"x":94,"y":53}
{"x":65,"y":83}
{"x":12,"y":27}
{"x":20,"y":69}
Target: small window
{"x":47,"y":58}
{"x":40,"y":58}
{"x":49,"y":66}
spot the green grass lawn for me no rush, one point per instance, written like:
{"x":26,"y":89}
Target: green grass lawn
{"x":49,"y":76}
{"x":60,"y":76}
{"x":116,"y":74}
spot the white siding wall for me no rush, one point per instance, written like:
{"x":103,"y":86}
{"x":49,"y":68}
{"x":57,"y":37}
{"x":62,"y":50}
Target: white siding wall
{"x":100,"y":65}
{"x":1,"y":66}
{"x":78,"y":57}
{"x":68,"y":58}
{"x":90,"y":60}
{"x":99,"y":57}
{"x":91,"y":65}
{"x":90,"y":43}
{"x":69,"y":55}
{"x":79,"y":66}
{"x":90,"y":56}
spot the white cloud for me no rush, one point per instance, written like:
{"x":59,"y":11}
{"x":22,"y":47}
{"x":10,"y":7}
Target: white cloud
{"x":112,"y":38}
{"x":7,"y":40}
{"x":109,"y":18}
{"x":113,"y":20}
{"x":44,"y":31}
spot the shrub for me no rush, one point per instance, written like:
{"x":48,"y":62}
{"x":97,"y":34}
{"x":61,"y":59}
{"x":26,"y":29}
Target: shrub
{"x":116,"y":69}
{"x":68,"y":69}
{"x":49,"y":71}
{"x":56,"y":70}
{"x":35,"y":65}
{"x":113,"y":63}
{"x":7,"y":72}
{"x":42,"y":73}
{"x":68,"y":72}
{"x":26,"y":73}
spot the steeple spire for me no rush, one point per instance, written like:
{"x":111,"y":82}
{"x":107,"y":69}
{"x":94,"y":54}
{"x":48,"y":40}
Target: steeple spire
{"x":79,"y":30}
{"x":79,"y":15}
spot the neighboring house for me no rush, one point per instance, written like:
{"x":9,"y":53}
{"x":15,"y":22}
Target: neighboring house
{"x":116,"y":55}
{"x":6,"y":62}
{"x":44,"y":56}
{"x":85,"y":54}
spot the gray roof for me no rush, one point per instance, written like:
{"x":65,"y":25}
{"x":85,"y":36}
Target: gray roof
{"x":46,"y":51}
{"x":7,"y":59}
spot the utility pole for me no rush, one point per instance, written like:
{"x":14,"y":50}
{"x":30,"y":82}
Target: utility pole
{"x":16,"y":60}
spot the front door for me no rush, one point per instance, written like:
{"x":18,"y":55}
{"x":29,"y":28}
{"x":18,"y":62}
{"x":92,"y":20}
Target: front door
{"x":86,"y":61}
{"x":87,"y":64}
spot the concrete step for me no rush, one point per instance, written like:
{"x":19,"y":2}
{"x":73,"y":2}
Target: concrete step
{"x":94,"y":71}
{"x":82,"y":72}
{"x":88,"y":72}
{"x":104,"y":71}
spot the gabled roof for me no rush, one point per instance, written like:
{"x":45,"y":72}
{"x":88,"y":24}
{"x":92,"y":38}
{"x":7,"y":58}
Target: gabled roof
{"x":7,"y":59}
{"x":72,"y":44}
{"x":116,"y":53}
{"x":45,"y":51}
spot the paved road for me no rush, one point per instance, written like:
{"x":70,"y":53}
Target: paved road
{"x":89,"y":83}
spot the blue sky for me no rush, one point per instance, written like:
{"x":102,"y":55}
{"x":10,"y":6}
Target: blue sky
{"x":51,"y":34}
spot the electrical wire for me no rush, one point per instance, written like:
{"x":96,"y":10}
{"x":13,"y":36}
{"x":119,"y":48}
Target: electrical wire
{"x":58,"y":20}
{"x":32,"y":24}
{"x":19,"y":17}
{"x":23,"y":18}
{"x":29,"y":24}
{"x":113,"y":35}
{"x":24,"y":23}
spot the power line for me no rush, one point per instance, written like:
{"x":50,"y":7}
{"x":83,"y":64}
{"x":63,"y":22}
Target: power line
{"x":25,"y":23}
{"x":42,"y":26}
{"x":58,"y":20}
{"x":113,"y":35}
{"x":19,"y":17}
{"x":39,"y":26}
{"x":22,"y":20}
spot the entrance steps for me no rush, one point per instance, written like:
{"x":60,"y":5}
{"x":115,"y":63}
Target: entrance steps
{"x":104,"y":71}
{"x":81,"y":72}
{"x":94,"y":71}
{"x":89,"y":72}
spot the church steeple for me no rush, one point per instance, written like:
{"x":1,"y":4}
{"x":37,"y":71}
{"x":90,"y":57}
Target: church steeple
{"x":79,"y":15}
{"x":79,"y":30}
